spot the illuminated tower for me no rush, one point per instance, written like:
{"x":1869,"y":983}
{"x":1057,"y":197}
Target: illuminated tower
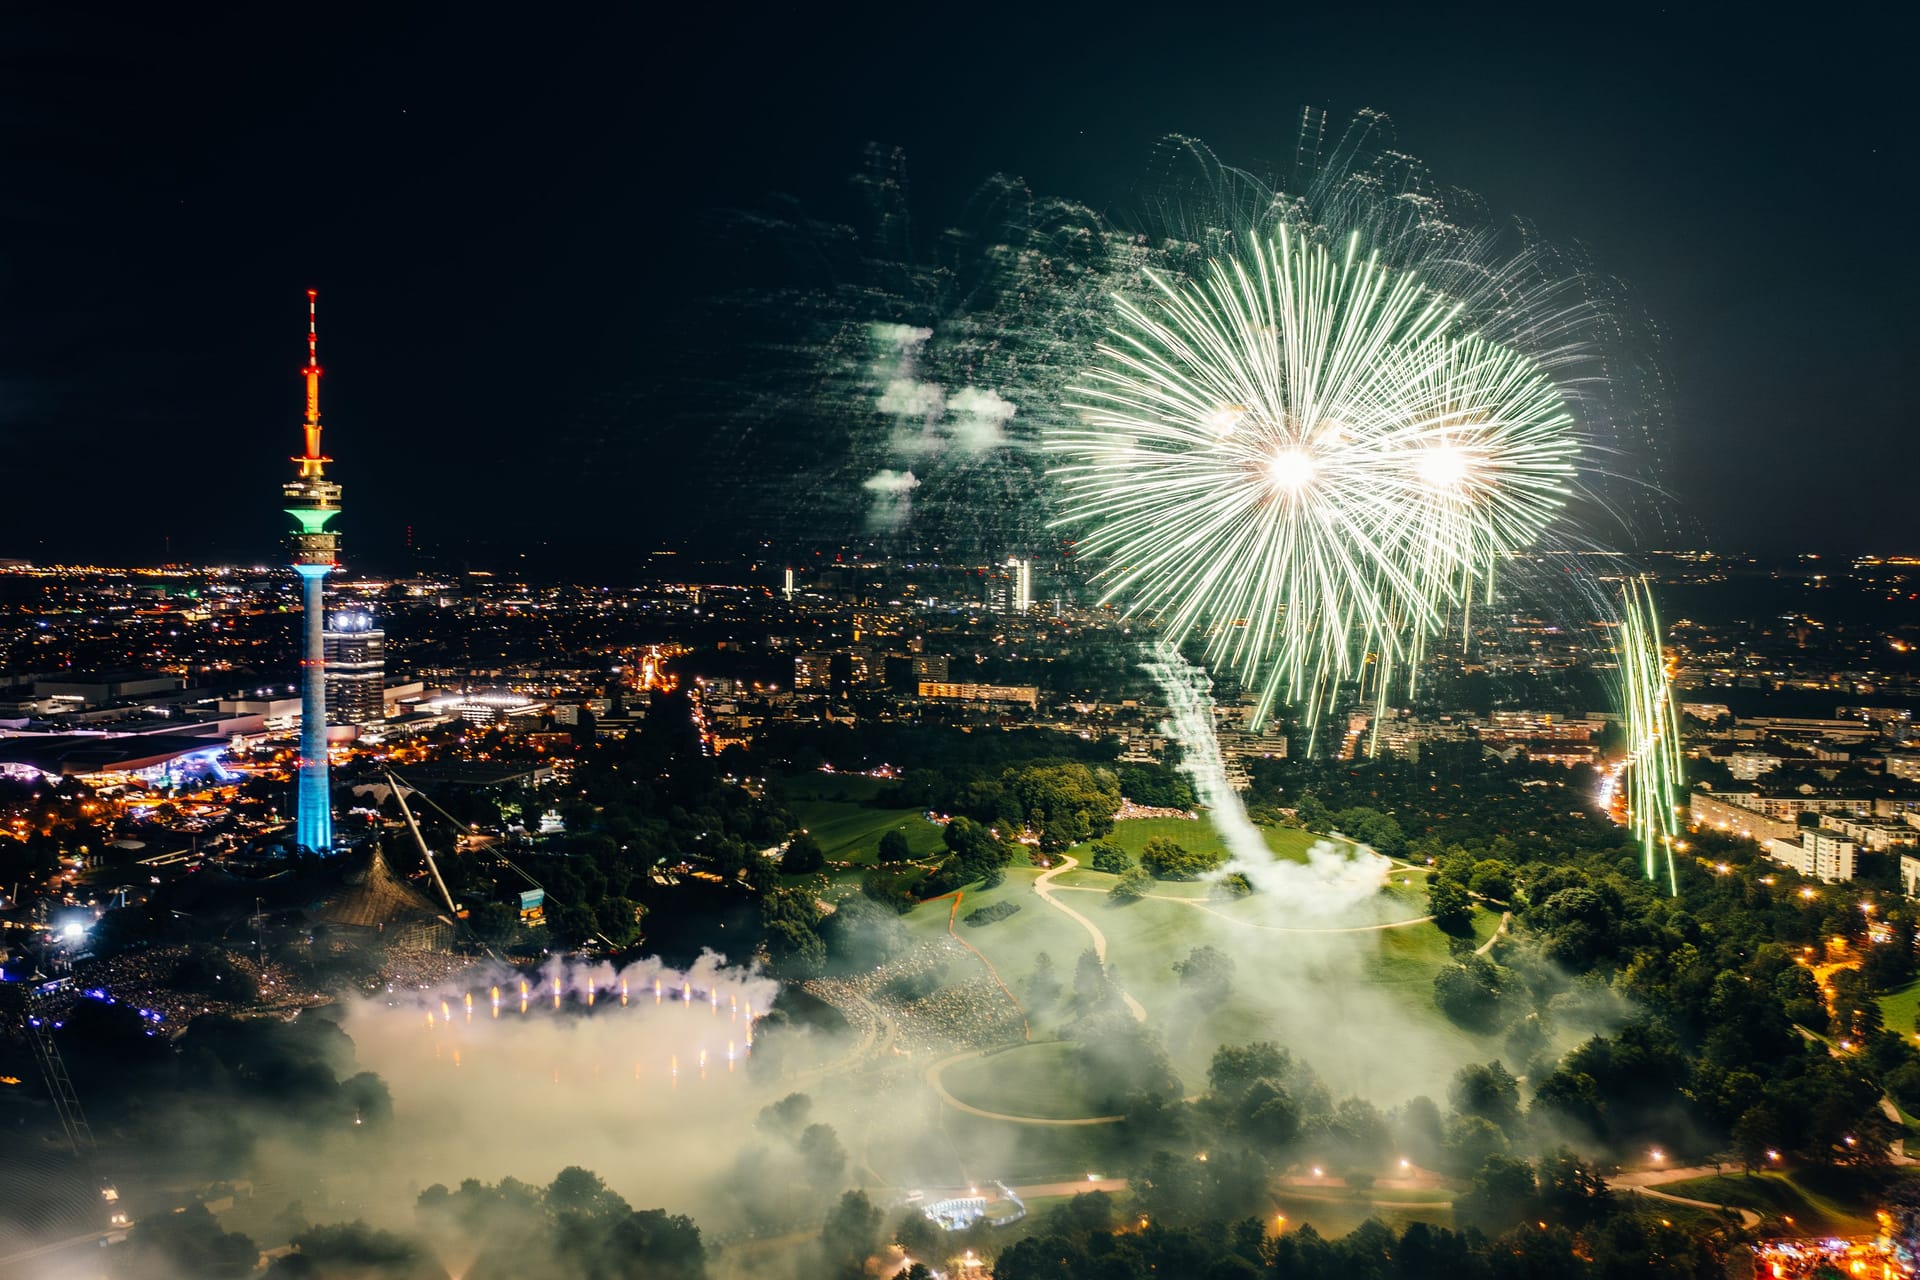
{"x":312,"y":500}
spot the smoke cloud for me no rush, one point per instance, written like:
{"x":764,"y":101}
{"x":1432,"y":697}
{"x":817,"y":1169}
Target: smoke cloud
{"x":1334,"y":881}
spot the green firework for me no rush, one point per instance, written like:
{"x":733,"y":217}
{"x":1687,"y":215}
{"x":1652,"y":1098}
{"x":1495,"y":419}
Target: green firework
{"x":1651,"y":774}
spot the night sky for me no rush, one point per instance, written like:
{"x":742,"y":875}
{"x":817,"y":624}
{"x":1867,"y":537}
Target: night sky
{"x":512,"y":218}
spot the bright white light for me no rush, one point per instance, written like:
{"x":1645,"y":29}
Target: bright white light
{"x":1290,"y":470}
{"x":1442,"y":466}
{"x":72,"y":931}
{"x":1223,"y":420}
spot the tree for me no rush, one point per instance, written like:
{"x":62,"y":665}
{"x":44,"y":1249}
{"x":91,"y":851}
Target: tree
{"x":1208,"y":973}
{"x":571,"y":924}
{"x":824,"y":1157}
{"x":789,"y":921}
{"x":618,"y":920}
{"x":1111,"y":858}
{"x":916,"y":1233}
{"x":1165,"y":860}
{"x":1472,"y":1141}
{"x":584,"y":1192}
{"x":655,"y":1244}
{"x":1488,"y":1091}
{"x":893,"y":847}
{"x":354,"y":1249}
{"x":190,"y":1243}
{"x":1470,"y":992}
{"x":1450,"y":905}
{"x":1043,"y":987}
{"x":1493,"y":879}
{"x":803,"y":856}
{"x":1236,"y":1066}
{"x":1156,"y":786}
{"x":1134,"y":884}
{"x":850,"y":1235}
{"x":1503,"y":1193}
{"x":786,"y":1117}
{"x":1571,"y":1188}
{"x":1092,"y":988}
{"x":1267,"y":1113}
{"x":1373,"y":828}
{"x":494,"y":922}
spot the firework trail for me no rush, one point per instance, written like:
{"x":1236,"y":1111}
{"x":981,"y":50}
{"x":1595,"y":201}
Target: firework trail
{"x":1651,"y":774}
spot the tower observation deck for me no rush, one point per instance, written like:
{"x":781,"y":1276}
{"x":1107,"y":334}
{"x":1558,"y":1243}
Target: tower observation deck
{"x":313,"y":500}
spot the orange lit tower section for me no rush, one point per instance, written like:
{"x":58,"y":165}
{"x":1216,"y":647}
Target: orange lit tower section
{"x":312,"y":500}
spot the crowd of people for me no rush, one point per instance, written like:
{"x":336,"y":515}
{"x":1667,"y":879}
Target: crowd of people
{"x":1128,"y":809}
{"x":935,"y":998}
{"x":171,"y":987}
{"x":417,"y":969}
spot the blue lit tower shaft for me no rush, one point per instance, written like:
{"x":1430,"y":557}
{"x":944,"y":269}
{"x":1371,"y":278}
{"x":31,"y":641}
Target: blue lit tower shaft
{"x":312,"y":500}
{"x":313,"y":828}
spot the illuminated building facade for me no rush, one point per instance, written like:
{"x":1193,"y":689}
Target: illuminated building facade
{"x":356,"y":667}
{"x":313,"y":500}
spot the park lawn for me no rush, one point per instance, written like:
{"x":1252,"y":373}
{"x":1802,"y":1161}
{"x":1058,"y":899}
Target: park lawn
{"x":850,"y":832}
{"x":1041,"y":1080}
{"x":1900,"y":1009}
{"x":1334,"y":1217}
{"x":1199,"y":835}
{"x":1820,"y":1201}
{"x":1414,"y":954}
{"x":1016,"y":1153}
{"x":1270,"y":988}
{"x":852,"y":788}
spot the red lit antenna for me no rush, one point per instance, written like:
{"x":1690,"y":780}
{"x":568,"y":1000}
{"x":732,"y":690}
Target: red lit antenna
{"x":312,"y":374}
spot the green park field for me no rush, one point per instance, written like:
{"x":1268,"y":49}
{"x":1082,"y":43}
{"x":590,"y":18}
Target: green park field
{"x":1284,"y":967}
{"x":832,"y":808}
{"x":1822,"y":1202}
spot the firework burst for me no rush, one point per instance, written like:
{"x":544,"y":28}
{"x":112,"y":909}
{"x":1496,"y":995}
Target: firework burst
{"x":1306,"y":457}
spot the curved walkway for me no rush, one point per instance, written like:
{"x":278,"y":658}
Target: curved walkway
{"x":939,"y":1086}
{"x":1643,"y":1182}
{"x":1044,"y":887}
{"x":1483,"y":948}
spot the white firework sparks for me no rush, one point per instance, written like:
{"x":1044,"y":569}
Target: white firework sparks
{"x":1307,"y":458}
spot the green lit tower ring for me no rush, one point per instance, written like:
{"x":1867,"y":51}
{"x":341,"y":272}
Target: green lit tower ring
{"x":312,"y":500}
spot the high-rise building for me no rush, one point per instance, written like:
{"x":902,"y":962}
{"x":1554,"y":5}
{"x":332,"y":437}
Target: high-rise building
{"x":1010,"y":586}
{"x":356,"y":666}
{"x":313,"y":500}
{"x":1022,"y":573}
